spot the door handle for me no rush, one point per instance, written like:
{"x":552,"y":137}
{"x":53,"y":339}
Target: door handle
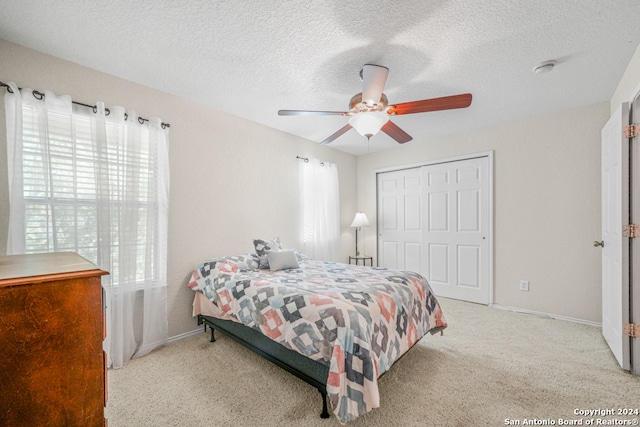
{"x":600,"y":243}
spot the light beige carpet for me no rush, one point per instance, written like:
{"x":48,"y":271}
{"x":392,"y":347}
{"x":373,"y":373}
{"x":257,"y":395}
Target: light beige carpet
{"x":490,"y":367}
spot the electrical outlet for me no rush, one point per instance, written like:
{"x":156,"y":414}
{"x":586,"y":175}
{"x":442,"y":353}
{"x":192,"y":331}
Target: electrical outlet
{"x":524,"y":285}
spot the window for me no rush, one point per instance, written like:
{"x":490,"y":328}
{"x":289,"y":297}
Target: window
{"x":320,"y":210}
{"x":68,"y":181}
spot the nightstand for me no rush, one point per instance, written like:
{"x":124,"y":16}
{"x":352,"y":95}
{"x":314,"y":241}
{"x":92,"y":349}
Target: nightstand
{"x":359,"y":258}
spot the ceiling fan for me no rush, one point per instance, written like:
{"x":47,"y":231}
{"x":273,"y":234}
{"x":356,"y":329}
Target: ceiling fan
{"x":370,"y":110}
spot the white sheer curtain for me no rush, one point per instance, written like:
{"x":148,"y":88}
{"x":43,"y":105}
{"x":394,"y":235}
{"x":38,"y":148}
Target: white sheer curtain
{"x":95,"y":183}
{"x":320,"y":210}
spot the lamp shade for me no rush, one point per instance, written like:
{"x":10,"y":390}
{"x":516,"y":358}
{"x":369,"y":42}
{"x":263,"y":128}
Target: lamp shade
{"x":360,"y":220}
{"x":368,"y":123}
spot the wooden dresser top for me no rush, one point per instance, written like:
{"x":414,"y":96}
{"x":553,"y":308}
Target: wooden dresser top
{"x":23,"y":269}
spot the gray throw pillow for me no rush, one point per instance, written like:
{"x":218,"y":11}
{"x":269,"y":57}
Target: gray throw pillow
{"x":282,"y":260}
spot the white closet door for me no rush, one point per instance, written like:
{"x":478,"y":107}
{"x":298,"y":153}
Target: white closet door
{"x":456,"y":234}
{"x":435,"y":220}
{"x":400,"y":219}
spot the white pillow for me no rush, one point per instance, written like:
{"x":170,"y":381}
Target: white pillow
{"x":282,"y":260}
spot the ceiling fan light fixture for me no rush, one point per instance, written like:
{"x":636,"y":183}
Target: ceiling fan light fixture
{"x":368,"y":123}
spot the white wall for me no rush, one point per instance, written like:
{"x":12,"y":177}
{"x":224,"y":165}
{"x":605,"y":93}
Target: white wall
{"x":231,"y":180}
{"x":629,"y":83}
{"x":546,"y":205}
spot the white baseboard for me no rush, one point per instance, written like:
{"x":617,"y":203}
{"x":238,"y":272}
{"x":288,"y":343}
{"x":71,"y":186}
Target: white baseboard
{"x":176,"y":338}
{"x":547,"y":315}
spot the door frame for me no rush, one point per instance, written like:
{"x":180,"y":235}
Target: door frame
{"x":489,"y":155}
{"x":634,"y":244}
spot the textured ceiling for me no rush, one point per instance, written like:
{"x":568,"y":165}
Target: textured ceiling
{"x":252,"y":58}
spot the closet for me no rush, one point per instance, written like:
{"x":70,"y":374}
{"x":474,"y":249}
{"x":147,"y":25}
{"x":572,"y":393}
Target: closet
{"x":436,"y":219}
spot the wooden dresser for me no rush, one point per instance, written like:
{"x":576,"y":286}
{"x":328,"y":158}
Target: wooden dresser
{"x":52,"y":366}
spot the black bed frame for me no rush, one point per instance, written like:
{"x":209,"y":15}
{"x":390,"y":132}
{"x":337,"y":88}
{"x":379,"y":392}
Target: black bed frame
{"x":310,"y":371}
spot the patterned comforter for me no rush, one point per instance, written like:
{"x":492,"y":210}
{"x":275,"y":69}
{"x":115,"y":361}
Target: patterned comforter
{"x":357,"y":320}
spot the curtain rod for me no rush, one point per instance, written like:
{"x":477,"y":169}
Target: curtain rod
{"x":39,"y":95}
{"x":306,"y":160}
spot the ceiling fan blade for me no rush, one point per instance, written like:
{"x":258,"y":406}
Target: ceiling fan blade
{"x":395,"y":132}
{"x":434,"y":104}
{"x":337,"y":134}
{"x":312,"y":113}
{"x":374,"y":78}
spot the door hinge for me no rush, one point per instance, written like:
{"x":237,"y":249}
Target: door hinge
{"x":631,"y":231}
{"x":631,"y":131}
{"x":632,"y":330}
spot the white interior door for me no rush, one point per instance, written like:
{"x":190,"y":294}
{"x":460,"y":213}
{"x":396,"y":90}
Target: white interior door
{"x":400,"y":219}
{"x":615,"y":249}
{"x":457,"y":229}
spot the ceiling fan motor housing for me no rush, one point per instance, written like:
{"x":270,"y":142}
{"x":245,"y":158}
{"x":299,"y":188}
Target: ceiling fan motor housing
{"x":358,"y":106}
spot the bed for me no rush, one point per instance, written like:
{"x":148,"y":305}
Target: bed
{"x":338,"y":327}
